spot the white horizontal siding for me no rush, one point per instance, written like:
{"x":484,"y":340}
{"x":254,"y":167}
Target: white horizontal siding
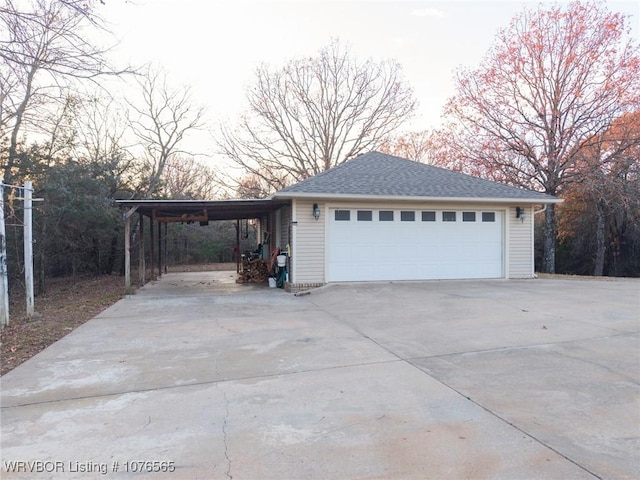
{"x":520,"y":244}
{"x":285,"y":221}
{"x":309,"y":243}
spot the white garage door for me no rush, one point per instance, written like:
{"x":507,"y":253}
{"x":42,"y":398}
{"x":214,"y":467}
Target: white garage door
{"x":414,"y":244}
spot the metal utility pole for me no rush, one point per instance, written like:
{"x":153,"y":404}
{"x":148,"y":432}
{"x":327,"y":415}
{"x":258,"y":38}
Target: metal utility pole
{"x":27,"y":197}
{"x":4,"y":281}
{"x":28,"y":246}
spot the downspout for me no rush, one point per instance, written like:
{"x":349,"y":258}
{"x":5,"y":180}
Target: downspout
{"x":543,"y":209}
{"x":533,"y":250}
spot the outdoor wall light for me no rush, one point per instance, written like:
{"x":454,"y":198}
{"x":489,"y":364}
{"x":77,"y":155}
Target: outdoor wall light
{"x":316,"y":211}
{"x":521,"y":214}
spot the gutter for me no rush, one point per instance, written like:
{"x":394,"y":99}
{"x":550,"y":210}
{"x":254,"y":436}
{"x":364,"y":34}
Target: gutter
{"x":333,"y":196}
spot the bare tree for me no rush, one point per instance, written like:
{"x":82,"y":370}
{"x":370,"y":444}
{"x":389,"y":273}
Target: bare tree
{"x":161,"y":123}
{"x":43,"y":49}
{"x":315,"y":113}
{"x":101,"y":129}
{"x":255,"y":186}
{"x":421,"y":146}
{"x":554,"y":81}
{"x":187,"y":179}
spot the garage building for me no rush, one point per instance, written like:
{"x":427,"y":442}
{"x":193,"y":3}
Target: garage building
{"x":380,"y":217}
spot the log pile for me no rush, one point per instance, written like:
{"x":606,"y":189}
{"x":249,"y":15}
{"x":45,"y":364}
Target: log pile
{"x":254,"y":271}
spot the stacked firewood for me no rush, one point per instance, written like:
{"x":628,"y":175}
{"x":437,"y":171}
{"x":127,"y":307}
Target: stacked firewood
{"x":254,"y":271}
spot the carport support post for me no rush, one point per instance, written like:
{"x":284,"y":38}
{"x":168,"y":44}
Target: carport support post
{"x":166,"y":226}
{"x":159,"y":249}
{"x":141,"y":266}
{"x":237,"y":250}
{"x":127,"y":246}
{"x":152,"y":242}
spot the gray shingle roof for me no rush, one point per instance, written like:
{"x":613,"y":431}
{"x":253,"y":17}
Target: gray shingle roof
{"x":377,"y":174}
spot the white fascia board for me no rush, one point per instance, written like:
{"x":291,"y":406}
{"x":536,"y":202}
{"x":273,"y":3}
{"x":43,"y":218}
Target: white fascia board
{"x":334,"y":196}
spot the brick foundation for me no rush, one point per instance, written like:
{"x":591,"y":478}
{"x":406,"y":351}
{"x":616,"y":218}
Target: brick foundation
{"x":300,"y":287}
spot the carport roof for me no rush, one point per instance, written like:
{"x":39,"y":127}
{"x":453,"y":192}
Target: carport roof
{"x":376,"y":175}
{"x":175,"y":210}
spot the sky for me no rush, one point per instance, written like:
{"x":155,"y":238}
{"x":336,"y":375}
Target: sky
{"x":215,"y":45}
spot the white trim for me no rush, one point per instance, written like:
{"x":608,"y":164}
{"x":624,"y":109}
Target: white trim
{"x":531,"y":216}
{"x":506,"y":232}
{"x":325,"y":215}
{"x":385,"y":198}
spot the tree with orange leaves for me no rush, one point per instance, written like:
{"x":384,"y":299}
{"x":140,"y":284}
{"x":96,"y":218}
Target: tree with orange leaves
{"x":600,"y":219}
{"x":552,"y":83}
{"x":417,"y":146}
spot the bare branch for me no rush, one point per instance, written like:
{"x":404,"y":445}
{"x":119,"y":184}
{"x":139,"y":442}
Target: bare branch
{"x":554,"y":81}
{"x":315,"y":113}
{"x":161,"y":122}
{"x":43,"y":50}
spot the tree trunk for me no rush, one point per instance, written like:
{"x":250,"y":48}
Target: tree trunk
{"x":41,"y":273}
{"x":600,"y":238}
{"x":12,"y":160}
{"x":113,"y":254}
{"x":550,"y":227}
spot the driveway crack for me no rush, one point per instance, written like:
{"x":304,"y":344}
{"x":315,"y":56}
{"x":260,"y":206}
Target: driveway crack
{"x":410,"y":362}
{"x":510,"y":423}
{"x":225,"y":421}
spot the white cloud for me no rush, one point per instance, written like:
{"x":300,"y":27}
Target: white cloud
{"x":428,"y":12}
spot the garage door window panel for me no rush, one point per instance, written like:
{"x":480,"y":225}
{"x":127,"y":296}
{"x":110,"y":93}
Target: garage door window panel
{"x":448,"y":216}
{"x":429,"y":216}
{"x":385,"y":215}
{"x":468,"y":216}
{"x":343,"y":215}
{"x":407,"y":216}
{"x":365,"y":215}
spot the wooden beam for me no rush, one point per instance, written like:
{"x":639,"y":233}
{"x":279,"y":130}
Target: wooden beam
{"x":166,"y":225}
{"x":200,"y":216}
{"x":130,"y":212}
{"x":152,"y":242}
{"x":237,"y":249}
{"x":159,"y":250}
{"x":127,"y":246}
{"x":142,"y":273}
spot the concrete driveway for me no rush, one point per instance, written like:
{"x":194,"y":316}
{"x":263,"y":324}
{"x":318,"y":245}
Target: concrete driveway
{"x":195,"y":377}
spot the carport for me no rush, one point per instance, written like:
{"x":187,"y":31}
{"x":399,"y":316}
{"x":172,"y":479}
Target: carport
{"x":163,"y":212}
